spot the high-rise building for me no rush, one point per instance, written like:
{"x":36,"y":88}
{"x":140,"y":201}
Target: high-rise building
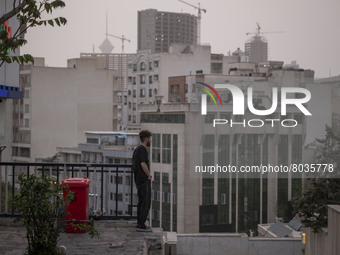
{"x":182,"y":139}
{"x":256,"y":48}
{"x":157,"y":30}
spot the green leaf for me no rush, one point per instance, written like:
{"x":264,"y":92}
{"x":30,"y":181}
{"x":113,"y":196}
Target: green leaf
{"x":63,"y":20}
{"x":29,"y":58}
{"x":58,"y":3}
{"x":15,"y":59}
{"x":21,"y":59}
{"x":30,"y":15}
{"x":57,"y":21}
{"x":7,"y":59}
{"x":48,"y":7}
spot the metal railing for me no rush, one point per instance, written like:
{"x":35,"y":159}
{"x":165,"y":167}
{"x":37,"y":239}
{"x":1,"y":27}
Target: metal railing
{"x":110,"y":182}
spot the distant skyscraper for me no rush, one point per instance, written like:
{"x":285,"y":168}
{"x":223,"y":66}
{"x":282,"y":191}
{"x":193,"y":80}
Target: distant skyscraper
{"x":157,"y":30}
{"x":256,"y":48}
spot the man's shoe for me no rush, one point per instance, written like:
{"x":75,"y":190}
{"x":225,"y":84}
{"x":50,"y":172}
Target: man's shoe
{"x":143,"y":228}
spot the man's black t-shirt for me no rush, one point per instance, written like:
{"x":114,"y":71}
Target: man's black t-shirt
{"x":140,"y":155}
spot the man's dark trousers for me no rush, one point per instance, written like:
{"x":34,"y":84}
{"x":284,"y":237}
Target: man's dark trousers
{"x":144,"y":201}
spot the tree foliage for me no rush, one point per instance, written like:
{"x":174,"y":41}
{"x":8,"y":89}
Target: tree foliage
{"x":320,"y":192}
{"x":29,"y":14}
{"x":330,"y":151}
{"x":42,"y":207}
{"x":3,"y":196}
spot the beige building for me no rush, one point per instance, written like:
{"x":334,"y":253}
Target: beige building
{"x":59,"y":104}
{"x":187,"y":202}
{"x":118,"y":63}
{"x":148,"y":75}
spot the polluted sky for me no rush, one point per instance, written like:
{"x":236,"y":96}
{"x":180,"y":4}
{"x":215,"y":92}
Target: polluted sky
{"x":308,"y":29}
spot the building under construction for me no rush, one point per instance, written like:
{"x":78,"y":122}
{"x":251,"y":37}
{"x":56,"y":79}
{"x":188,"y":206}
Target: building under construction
{"x":256,"y":48}
{"x":157,"y":30}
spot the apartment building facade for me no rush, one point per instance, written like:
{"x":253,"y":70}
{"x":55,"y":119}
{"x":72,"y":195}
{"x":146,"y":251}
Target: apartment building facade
{"x":189,"y":202}
{"x":59,"y":104}
{"x":148,"y":75}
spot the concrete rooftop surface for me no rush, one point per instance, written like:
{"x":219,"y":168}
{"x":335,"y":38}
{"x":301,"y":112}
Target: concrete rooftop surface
{"x":116,"y":237}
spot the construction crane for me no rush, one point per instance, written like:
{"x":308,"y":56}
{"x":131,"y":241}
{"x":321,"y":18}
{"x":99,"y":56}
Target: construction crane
{"x":258,"y":31}
{"x":198,"y":19}
{"x":121,"y":38}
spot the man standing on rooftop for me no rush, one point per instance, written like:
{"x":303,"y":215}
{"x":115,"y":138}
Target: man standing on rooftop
{"x":141,"y":169}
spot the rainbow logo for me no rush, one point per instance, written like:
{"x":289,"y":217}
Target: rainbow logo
{"x":209,"y":93}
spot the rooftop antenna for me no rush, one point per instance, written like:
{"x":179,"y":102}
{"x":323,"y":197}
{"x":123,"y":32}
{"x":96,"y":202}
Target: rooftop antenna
{"x":106,"y":46}
{"x":122,"y":38}
{"x":106,"y":24}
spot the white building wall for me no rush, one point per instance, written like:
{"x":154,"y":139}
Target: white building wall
{"x":174,"y":63}
{"x":65,"y":102}
{"x":189,"y":187}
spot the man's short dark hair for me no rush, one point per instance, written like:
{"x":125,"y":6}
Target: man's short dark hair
{"x":144,"y":134}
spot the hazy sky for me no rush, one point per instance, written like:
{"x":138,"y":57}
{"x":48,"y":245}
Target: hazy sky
{"x":311,"y":34}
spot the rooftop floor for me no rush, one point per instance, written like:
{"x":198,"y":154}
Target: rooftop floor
{"x":116,"y":237}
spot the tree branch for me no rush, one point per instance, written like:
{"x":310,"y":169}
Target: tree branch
{"x":28,"y":13}
{"x":13,"y":12}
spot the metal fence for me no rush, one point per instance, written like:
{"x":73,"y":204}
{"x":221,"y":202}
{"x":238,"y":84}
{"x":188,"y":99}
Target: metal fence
{"x":111,"y":192}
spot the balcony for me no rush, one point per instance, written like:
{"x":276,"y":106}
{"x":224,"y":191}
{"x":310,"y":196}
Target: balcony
{"x":101,"y":206}
{"x":117,"y":232}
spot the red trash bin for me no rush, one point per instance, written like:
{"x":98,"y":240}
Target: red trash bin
{"x":78,"y":209}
